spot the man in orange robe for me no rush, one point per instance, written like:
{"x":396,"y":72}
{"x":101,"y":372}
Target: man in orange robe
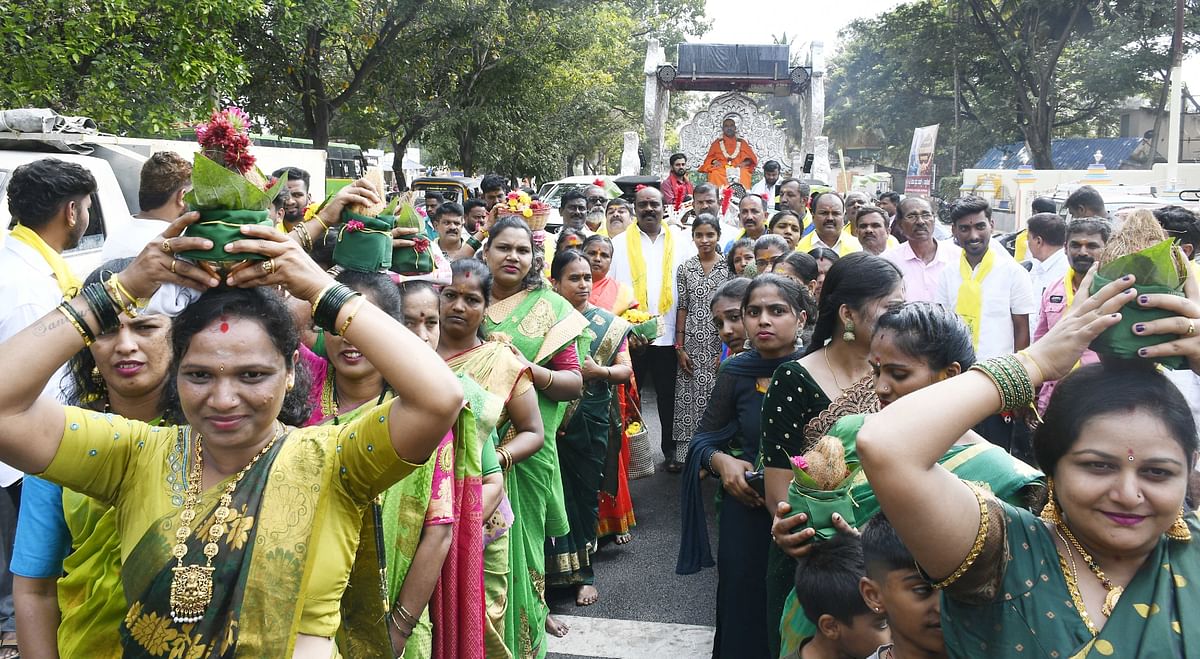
{"x":729,"y":156}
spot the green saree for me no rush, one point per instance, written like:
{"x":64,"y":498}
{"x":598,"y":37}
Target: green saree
{"x":539,"y":324}
{"x":582,"y":454}
{"x":983,"y":463}
{"x":1031,"y":611}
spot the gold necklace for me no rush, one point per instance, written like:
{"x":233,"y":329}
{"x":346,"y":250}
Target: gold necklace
{"x":1073,"y":584}
{"x":329,"y":405}
{"x":1114,"y":591}
{"x":831,"y":371}
{"x":192,"y":585}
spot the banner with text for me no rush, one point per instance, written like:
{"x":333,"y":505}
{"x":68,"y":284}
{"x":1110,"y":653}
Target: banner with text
{"x":919,"y":180}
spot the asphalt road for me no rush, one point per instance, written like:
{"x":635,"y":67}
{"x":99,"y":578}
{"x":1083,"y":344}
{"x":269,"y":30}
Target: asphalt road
{"x":637,"y":581}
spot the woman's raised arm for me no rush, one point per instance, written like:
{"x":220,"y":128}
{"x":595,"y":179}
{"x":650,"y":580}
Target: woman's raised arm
{"x":31,"y":428}
{"x":428,"y":395}
{"x":935,"y":513}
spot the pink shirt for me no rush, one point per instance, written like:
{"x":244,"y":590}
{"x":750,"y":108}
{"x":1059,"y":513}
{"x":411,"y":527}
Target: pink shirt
{"x":921,"y":278}
{"x":1054,"y":305}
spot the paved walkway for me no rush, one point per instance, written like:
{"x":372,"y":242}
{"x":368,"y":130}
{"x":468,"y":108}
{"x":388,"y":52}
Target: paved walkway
{"x":645,"y":609}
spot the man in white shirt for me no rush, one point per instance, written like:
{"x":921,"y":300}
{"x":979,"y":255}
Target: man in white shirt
{"x":655,"y":362}
{"x":166,"y":177}
{"x":922,"y":258}
{"x":50,"y":202}
{"x":1047,"y":258}
{"x":995,"y":299}
{"x":765,"y":187}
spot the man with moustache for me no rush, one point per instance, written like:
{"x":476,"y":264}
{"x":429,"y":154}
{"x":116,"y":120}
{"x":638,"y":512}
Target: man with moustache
{"x":646,"y":258}
{"x":448,"y":222}
{"x":870,"y":226}
{"x":829,"y":220}
{"x":297,"y":196}
{"x":856,"y":199}
{"x":574,"y":210}
{"x":676,"y":184}
{"x":617,"y":217}
{"x":793,"y":196}
{"x":765,"y":188}
{"x":922,"y":258}
{"x":753,"y":218}
{"x":993,"y":295}
{"x":1085,"y":240}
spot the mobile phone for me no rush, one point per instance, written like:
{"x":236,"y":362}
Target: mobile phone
{"x":756,"y":482}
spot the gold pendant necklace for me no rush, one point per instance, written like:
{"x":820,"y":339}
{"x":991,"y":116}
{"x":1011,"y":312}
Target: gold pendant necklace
{"x":192,"y":585}
{"x":1114,"y":591}
{"x":329,"y":406}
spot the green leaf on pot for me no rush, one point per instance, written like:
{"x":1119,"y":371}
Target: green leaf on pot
{"x":215,"y":187}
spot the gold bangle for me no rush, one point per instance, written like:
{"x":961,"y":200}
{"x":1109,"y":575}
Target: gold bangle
{"x":118,"y":294}
{"x":549,"y":383}
{"x":976,"y":549}
{"x":350,"y":318}
{"x":317,"y":217}
{"x":506,"y":458}
{"x":306,"y":241}
{"x":87,"y":340}
{"x":405,"y":615}
{"x":317,"y":299}
{"x":403,"y":632}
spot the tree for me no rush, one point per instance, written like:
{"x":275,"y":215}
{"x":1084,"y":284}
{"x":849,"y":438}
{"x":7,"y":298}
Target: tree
{"x":310,"y":58}
{"x":134,"y":66}
{"x":1043,"y":67}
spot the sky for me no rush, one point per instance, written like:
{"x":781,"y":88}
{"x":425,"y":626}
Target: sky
{"x":756,"y":21}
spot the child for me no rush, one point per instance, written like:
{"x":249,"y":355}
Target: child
{"x":894,"y":587}
{"x":827,"y":586}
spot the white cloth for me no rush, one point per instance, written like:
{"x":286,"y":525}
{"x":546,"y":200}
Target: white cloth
{"x":131,"y":238}
{"x":921,"y":279}
{"x":1007,"y":292}
{"x":761,"y":190}
{"x":1043,"y":275}
{"x":652,"y":251}
{"x":28,"y":291}
{"x":171,"y":299}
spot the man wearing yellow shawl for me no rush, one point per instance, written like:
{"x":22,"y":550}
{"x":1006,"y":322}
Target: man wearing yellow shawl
{"x":990,"y":291}
{"x":50,"y":201}
{"x":645,"y":258}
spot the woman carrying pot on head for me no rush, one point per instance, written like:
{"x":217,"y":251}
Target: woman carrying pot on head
{"x":227,"y":567}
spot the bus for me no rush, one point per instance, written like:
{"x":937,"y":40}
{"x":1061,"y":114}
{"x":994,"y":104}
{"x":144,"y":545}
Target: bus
{"x":344,"y":163}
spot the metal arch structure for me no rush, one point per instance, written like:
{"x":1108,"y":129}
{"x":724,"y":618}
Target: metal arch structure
{"x":737,"y":70}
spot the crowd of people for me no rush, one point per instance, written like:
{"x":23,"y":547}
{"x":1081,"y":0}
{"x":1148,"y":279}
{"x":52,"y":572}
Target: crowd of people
{"x":289,"y":457}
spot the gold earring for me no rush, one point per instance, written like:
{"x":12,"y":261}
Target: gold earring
{"x":1050,"y":511}
{"x":848,"y":336}
{"x":1179,"y":530}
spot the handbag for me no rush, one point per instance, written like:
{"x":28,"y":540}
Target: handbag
{"x":641,"y":453}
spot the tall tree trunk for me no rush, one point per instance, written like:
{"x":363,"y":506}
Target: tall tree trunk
{"x":466,"y":147}
{"x":398,"y":149}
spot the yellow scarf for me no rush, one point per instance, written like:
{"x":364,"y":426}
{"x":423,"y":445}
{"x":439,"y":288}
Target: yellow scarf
{"x":1069,"y":287}
{"x":68,"y":283}
{"x":969,"y":305}
{"x":637,"y":267}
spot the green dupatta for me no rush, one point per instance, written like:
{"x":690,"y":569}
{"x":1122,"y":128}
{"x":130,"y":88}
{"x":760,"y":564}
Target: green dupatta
{"x":539,"y":324}
{"x":582,"y":452}
{"x":265,"y":567}
{"x":1155,"y":616}
{"x":983,"y":463}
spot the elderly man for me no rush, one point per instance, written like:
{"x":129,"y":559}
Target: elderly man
{"x":730,"y":159}
{"x":646,"y":258}
{"x":922,"y":257}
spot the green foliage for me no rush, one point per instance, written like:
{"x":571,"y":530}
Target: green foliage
{"x":136,"y":66}
{"x":1026,"y":70}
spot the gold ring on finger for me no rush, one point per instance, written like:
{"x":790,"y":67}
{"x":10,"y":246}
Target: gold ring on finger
{"x":174,"y":262}
{"x":166,"y":246}
{"x":268,"y":266}
{"x":1191,"y":327}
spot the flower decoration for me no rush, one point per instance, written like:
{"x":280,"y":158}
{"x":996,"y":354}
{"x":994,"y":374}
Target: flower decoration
{"x":798,"y":462}
{"x":421,"y":244}
{"x":520,"y":203}
{"x":354,"y":225}
{"x":224,"y":139}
